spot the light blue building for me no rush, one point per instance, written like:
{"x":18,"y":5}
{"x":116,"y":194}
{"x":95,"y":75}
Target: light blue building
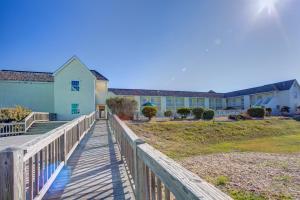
{"x":74,"y":89}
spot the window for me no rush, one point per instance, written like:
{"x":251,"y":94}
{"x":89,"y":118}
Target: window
{"x":193,"y":102}
{"x":219,"y":104}
{"x":179,"y":101}
{"x":156,"y":101}
{"x":74,"y":85}
{"x":196,"y":102}
{"x":75,"y":108}
{"x":170,"y":103}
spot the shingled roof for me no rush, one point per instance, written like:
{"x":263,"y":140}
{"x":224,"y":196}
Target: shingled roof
{"x":142,"y":92}
{"x":13,"y":75}
{"x":280,"y":86}
{"x":285,"y":85}
{"x":98,"y":75}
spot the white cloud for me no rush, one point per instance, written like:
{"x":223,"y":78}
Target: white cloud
{"x":183,"y":69}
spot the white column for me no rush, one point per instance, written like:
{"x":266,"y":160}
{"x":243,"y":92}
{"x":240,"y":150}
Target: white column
{"x":246,"y":102}
{"x":163,"y":104}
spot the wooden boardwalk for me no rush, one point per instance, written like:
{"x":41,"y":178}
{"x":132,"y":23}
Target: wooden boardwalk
{"x":94,"y":171}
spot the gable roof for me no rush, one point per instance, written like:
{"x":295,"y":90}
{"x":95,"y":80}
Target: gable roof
{"x":13,"y":75}
{"x":142,"y":92}
{"x":280,"y":86}
{"x":98,"y":75}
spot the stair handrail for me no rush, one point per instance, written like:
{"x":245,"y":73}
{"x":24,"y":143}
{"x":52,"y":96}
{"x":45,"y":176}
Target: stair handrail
{"x":33,"y":117}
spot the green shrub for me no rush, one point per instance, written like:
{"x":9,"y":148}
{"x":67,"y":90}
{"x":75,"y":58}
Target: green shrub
{"x":222,"y":180}
{"x":208,"y":114}
{"x":268,"y":111}
{"x":123,"y":107}
{"x":198,"y":113}
{"x":168,"y":113}
{"x":256,"y":112}
{"x":183,"y":112}
{"x":285,"y":109}
{"x":18,"y":114}
{"x":149,"y":111}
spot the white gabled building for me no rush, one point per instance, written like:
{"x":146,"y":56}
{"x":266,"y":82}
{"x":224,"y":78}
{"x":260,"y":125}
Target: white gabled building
{"x":74,"y":89}
{"x":70,"y":91}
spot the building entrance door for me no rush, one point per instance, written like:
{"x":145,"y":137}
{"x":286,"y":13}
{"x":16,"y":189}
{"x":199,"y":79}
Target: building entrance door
{"x":101,"y":111}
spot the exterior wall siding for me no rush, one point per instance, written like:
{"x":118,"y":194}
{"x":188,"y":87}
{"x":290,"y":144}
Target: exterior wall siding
{"x":64,"y":97}
{"x":101,"y":92}
{"x":37,"y":96}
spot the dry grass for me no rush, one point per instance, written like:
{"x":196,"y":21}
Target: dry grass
{"x":182,"y":139}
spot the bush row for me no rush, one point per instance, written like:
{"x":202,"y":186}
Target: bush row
{"x":198,"y":113}
{"x":17,"y":114}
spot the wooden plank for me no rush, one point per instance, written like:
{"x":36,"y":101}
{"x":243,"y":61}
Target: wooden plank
{"x":153,"y":193}
{"x":167,"y":194}
{"x":46,"y":170}
{"x":12,"y":174}
{"x":94,"y":171}
{"x":36,"y":174}
{"x":42,"y":172}
{"x":30,"y":177}
{"x":159,"y":191}
{"x":181,"y":182}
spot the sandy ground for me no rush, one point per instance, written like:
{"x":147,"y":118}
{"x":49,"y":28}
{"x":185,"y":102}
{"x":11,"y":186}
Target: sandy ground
{"x":270,"y":175}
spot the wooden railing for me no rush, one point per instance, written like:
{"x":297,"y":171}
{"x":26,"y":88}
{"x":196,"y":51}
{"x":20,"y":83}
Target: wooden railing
{"x":153,"y":174}
{"x":28,"y":172}
{"x":22,"y":127}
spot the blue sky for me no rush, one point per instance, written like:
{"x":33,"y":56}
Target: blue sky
{"x":195,"y":45}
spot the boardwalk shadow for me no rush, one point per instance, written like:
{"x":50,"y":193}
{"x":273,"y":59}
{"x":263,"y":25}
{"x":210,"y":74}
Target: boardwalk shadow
{"x":94,"y":171}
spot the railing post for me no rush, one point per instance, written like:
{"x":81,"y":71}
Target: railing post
{"x":63,"y":147}
{"x":138,"y":171}
{"x":12,"y":174}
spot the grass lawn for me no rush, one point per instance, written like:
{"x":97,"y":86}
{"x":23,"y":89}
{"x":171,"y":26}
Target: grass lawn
{"x":180,"y":139}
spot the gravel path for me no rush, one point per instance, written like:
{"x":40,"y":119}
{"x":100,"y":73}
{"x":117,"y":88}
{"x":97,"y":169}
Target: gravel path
{"x":270,"y":175}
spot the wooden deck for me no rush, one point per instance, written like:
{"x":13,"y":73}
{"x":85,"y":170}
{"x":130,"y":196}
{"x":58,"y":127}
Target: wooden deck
{"x":94,"y":171}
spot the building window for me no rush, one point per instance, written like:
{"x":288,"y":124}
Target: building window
{"x":156,"y":101}
{"x":219,"y":104}
{"x":75,"y":108}
{"x":170,"y":103}
{"x":196,"y":102}
{"x":74,"y":85}
{"x":179,"y":101}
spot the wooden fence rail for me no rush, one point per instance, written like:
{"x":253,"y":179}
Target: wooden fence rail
{"x":22,"y":127}
{"x":156,"y":176}
{"x":28,"y":173}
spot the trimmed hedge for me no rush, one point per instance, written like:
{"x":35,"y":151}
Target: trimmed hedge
{"x":208,"y":114}
{"x":256,"y":112}
{"x":198,"y":112}
{"x":168,"y":113}
{"x":149,"y":111}
{"x":183,"y":112}
{"x":268,"y":111}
